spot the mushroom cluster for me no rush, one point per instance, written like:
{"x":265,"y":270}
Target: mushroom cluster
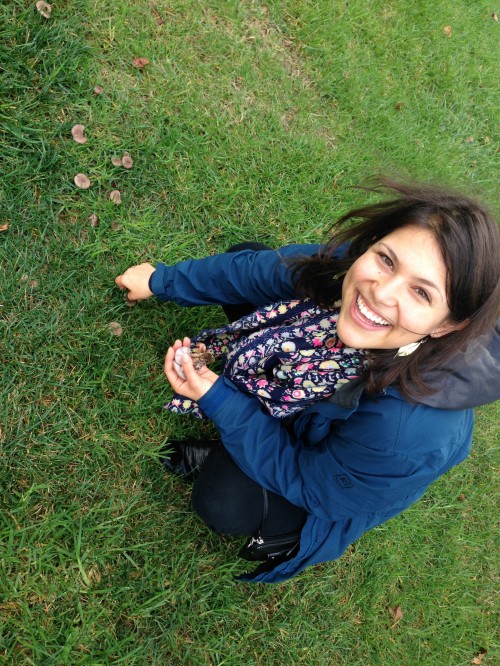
{"x":82,"y":181}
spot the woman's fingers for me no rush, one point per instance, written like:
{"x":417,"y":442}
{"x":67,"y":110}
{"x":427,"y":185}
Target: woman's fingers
{"x":136,"y":280}
{"x":169,"y":359}
{"x":119,"y":282}
{"x":196,"y":383}
{"x":192,"y":377}
{"x":186,"y":342}
{"x":174,"y":379}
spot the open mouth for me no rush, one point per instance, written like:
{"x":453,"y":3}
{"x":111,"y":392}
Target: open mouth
{"x":365,"y":313}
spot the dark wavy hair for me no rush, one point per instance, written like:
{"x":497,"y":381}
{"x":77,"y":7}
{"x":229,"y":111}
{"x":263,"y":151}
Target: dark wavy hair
{"x":469,"y":239}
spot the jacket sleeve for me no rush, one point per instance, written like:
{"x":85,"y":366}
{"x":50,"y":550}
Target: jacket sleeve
{"x":365,"y":465}
{"x":248,"y":276}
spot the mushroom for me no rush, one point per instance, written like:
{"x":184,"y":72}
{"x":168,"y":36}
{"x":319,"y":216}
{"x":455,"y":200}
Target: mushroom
{"x":115,"y":328}
{"x":44,"y":8}
{"x":77,"y":133}
{"x":127,"y":161}
{"x":94,"y":220}
{"x":182,"y":351}
{"x":115,"y":197}
{"x":116,"y":161}
{"x":82,"y":181}
{"x":200,"y":358}
{"x":98,"y":90}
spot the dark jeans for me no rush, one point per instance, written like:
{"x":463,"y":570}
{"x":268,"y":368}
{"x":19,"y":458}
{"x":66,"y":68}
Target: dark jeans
{"x":229,"y":502}
{"x":225,"y":498}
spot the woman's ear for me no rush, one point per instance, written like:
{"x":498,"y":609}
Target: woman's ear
{"x":449,"y":327}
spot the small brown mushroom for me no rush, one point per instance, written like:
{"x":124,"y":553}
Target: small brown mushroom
{"x":115,"y":328}
{"x":44,"y":8}
{"x":127,"y":161}
{"x":77,"y":134}
{"x":94,"y":220}
{"x":140,"y":63}
{"x":115,"y":225}
{"x":116,"y":161}
{"x":98,"y":90}
{"x":4,"y":227}
{"x":82,"y":181}
{"x":115,"y":197}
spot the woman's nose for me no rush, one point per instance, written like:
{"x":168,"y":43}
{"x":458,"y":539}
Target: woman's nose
{"x":385,"y":290}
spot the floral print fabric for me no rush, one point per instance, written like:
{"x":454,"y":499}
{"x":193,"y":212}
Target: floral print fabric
{"x":287,"y":354}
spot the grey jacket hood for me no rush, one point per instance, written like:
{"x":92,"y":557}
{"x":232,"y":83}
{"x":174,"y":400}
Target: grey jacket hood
{"x":471,"y":378}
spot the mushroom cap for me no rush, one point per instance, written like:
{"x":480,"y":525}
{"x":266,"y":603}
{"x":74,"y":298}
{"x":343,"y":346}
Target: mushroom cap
{"x":115,"y":328}
{"x":44,"y":8}
{"x":81,"y":181}
{"x":77,"y":133}
{"x":140,"y":62}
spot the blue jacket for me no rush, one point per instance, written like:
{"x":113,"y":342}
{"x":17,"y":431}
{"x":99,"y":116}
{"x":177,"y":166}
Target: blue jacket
{"x":351,"y":462}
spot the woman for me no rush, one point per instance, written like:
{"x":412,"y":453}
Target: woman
{"x":418,"y":279}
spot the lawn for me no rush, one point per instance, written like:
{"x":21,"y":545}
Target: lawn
{"x":250,"y":120}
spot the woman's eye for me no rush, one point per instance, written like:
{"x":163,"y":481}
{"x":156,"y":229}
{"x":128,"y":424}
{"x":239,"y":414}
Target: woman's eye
{"x":386,"y":260}
{"x":423,"y":294}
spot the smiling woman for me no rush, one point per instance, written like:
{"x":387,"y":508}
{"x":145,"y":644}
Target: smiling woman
{"x":395,"y":293}
{"x":326,"y":428}
{"x":427,"y":264}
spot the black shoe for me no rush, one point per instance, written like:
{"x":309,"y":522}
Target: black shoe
{"x":185,"y":457}
{"x":276,"y":549}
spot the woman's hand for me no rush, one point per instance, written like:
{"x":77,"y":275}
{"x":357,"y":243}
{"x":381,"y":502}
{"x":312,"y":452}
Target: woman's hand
{"x":197,"y":382}
{"x":136,"y":280}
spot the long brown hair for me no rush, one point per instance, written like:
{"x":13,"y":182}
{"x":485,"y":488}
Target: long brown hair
{"x":469,"y":240}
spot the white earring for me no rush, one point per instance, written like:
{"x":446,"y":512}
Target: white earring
{"x":408,"y":349}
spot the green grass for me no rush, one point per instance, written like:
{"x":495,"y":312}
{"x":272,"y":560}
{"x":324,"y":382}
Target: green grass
{"x":251,"y":121}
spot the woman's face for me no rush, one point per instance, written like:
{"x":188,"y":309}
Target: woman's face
{"x":395,"y":293}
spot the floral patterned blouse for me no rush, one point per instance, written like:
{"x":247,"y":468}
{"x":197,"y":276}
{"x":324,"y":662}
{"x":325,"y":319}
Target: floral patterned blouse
{"x":287,"y":354}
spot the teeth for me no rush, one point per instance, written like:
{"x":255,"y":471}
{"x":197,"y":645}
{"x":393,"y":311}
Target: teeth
{"x":369,"y":314}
